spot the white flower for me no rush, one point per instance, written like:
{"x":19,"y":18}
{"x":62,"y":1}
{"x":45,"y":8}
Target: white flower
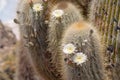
{"x":69,"y":48}
{"x":37,"y":7}
{"x":57,"y":13}
{"x":79,"y":58}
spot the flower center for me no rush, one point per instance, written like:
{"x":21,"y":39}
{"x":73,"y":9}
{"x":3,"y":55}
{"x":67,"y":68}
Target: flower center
{"x":70,"y":49}
{"x":79,"y":57}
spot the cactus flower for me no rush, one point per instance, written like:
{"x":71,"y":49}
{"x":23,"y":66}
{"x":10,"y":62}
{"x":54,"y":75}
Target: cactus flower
{"x":69,"y":48}
{"x":57,"y":13}
{"x":37,"y":7}
{"x":79,"y":58}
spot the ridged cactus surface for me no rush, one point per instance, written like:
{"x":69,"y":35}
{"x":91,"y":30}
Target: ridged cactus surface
{"x":108,"y":22}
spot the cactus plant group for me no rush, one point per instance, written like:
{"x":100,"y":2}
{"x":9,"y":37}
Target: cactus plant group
{"x":46,"y":28}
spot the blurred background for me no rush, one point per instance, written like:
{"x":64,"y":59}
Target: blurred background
{"x":9,"y":36}
{"x":8,"y":13}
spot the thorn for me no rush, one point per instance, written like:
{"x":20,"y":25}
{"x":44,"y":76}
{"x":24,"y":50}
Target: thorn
{"x":31,"y":43}
{"x":16,"y":21}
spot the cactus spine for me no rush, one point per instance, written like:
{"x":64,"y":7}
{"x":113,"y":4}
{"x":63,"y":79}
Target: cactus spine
{"x":86,"y":39}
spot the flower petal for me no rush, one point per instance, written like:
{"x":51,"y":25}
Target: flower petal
{"x":37,"y":7}
{"x":69,"y":49}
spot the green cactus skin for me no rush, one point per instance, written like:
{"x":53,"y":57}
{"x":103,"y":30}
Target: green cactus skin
{"x":56,"y":29}
{"x":92,"y":68}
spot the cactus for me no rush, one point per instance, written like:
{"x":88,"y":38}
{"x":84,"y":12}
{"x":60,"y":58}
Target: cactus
{"x":31,"y":26}
{"x":86,"y":40}
{"x":43,"y":40}
{"x":108,"y":24}
{"x":58,"y":25}
{"x":86,"y":6}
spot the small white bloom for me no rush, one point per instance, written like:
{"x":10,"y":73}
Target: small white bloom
{"x":37,"y":7}
{"x":69,"y":48}
{"x":79,"y":58}
{"x":57,"y":13}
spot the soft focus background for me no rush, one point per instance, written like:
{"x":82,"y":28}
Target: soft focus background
{"x":8,"y":13}
{"x":9,"y":36}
